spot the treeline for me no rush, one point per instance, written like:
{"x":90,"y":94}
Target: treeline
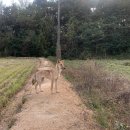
{"x":88,"y":28}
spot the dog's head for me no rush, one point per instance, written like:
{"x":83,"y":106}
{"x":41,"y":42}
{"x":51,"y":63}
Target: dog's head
{"x":61,"y":64}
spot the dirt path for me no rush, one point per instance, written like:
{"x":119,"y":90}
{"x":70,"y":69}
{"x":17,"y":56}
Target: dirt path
{"x":58,"y":111}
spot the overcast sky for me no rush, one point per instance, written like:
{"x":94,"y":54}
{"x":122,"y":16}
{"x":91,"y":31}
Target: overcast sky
{"x":9,"y":2}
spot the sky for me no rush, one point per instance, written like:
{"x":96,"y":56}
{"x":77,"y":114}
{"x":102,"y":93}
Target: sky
{"x":9,"y":2}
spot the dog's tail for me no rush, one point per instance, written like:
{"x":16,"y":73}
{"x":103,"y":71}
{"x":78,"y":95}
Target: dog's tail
{"x":34,"y":79}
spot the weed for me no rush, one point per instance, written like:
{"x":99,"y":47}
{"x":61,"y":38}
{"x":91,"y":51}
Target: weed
{"x":120,"y":126}
{"x":102,"y":86}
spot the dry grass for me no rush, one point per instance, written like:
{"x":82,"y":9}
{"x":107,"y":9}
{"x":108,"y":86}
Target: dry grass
{"x":107,"y":93}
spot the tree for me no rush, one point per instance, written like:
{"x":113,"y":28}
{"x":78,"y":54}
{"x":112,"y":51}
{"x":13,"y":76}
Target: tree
{"x":58,"y":46}
{"x":33,"y":31}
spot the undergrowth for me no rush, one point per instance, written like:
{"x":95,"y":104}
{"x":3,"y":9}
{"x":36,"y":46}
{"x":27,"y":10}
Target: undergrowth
{"x":102,"y":91}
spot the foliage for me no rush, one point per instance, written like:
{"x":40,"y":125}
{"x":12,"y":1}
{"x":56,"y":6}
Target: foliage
{"x":31,"y":29}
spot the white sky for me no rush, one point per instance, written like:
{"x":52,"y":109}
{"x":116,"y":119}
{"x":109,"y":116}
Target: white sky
{"x":9,"y":2}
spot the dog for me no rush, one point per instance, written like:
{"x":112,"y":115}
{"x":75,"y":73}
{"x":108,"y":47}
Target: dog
{"x":50,"y":73}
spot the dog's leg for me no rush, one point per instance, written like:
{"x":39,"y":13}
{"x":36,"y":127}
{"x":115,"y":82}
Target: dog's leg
{"x":42,"y":79}
{"x":36,"y":88}
{"x":52,"y":82}
{"x":55,"y":85}
{"x":30,"y":90}
{"x":40,"y":87}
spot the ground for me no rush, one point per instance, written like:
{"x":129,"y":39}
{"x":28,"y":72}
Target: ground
{"x":57,"y":111}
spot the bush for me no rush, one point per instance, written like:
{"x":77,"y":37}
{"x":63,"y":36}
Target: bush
{"x":102,"y":91}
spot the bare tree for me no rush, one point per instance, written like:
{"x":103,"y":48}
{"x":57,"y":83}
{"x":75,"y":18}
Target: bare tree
{"x":58,"y":46}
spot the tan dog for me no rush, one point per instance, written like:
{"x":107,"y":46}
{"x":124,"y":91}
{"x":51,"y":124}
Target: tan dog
{"x":50,"y":73}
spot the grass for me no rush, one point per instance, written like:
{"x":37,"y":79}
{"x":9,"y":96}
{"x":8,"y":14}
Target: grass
{"x":99,"y":83}
{"x":13,"y":74}
{"x":117,"y":66}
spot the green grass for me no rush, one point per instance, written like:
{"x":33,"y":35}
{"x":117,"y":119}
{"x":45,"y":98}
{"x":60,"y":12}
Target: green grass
{"x":112,"y":65}
{"x":117,"y":66}
{"x":13,"y":75}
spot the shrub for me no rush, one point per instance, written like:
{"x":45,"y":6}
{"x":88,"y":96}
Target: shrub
{"x":102,"y":91}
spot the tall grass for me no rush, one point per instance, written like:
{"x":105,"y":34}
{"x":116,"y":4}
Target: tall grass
{"x":103,"y":91}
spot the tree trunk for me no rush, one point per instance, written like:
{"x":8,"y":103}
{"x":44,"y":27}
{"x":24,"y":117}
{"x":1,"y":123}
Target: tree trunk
{"x":58,"y":46}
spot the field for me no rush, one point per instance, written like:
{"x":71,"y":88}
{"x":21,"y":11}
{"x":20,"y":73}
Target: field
{"x":103,"y":85}
{"x":13,"y":74}
{"x":116,"y":66}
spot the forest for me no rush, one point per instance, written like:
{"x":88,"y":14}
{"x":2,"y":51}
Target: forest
{"x":89,"y":28}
